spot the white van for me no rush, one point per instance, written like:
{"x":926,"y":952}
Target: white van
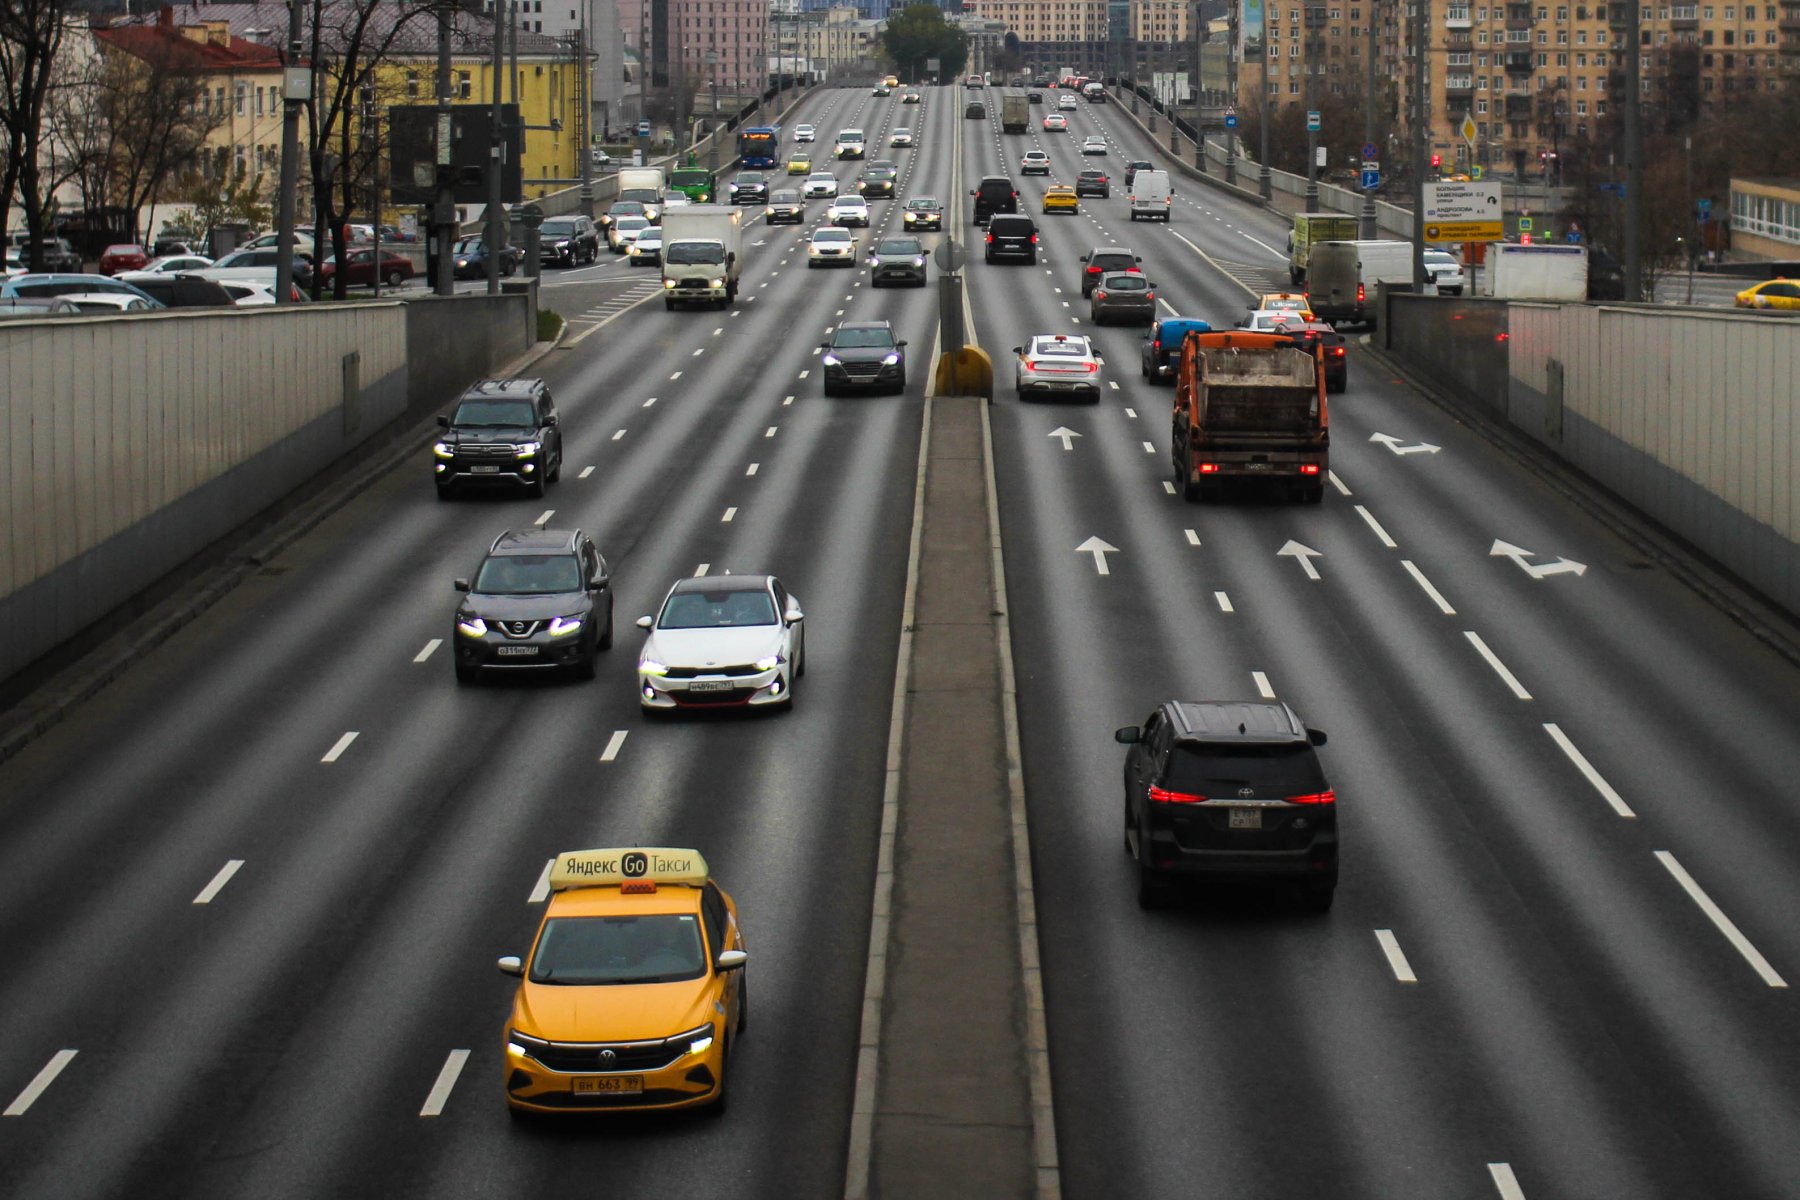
{"x":1151,"y":195}
{"x":1341,"y":277}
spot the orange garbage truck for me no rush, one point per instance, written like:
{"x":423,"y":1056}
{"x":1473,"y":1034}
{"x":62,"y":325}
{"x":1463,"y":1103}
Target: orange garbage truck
{"x":1250,"y":406}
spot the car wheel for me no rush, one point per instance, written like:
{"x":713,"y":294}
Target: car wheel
{"x":606,"y":636}
{"x":1314,"y":493}
{"x":1130,"y":824}
{"x":717,"y":1107}
{"x":743,"y":1017}
{"x":556,"y":471}
{"x":444,"y":493}
{"x":668,"y":304}
{"x":900,"y":388}
{"x":1184,"y":476}
{"x":537,"y":487}
{"x":394,"y":279}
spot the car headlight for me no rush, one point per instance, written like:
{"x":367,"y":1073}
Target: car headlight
{"x":649,"y":666}
{"x":699,"y":1040}
{"x":444,"y":450}
{"x":919,"y":261}
{"x":812,"y":252}
{"x":562,"y":245}
{"x":715,"y":283}
{"x":526,"y":449}
{"x":892,"y":359}
{"x":668,"y":283}
{"x":769,"y":211}
{"x":524,"y":1044}
{"x":471,"y":626}
{"x":562,"y":626}
{"x":909,"y":218}
{"x":832,"y":360}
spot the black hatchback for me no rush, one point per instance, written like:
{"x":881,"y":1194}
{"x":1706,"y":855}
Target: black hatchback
{"x":541,"y":600}
{"x":1231,"y":791}
{"x":502,"y":432}
{"x":1012,"y":237}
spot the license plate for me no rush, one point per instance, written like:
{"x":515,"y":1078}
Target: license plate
{"x":1256,"y":466}
{"x":487,"y":470}
{"x":710,"y":685}
{"x":608,"y":1085}
{"x":516,"y":651}
{"x":1246,"y":818}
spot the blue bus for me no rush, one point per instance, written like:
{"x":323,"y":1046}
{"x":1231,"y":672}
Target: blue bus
{"x":760,"y":146}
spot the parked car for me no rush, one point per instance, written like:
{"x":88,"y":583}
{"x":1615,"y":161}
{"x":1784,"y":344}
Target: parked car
{"x":46,"y":285}
{"x":179,"y":289}
{"x":171,"y":264}
{"x":360,"y":270}
{"x":259,"y":263}
{"x":105,"y":303}
{"x":25,"y":308}
{"x":121,"y":257}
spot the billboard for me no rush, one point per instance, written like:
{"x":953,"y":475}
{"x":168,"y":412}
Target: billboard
{"x":414,"y":160}
{"x":1250,"y":32}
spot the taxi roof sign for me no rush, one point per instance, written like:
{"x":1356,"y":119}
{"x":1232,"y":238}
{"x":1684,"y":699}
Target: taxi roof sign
{"x":613,"y":868}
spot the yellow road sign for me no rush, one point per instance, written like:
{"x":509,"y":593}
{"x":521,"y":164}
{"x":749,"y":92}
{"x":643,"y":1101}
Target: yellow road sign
{"x":1464,"y":231}
{"x":1467,"y":129}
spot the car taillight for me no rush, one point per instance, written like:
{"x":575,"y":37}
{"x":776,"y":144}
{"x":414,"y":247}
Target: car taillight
{"x":1093,"y":270}
{"x":1156,"y":344}
{"x":1326,"y":797}
{"x":1337,"y":352}
{"x":1092,"y":367}
{"x":1034,"y":239}
{"x":1359,"y":293}
{"x":1164,"y":796}
{"x":1031,"y":364}
{"x":1309,"y":468}
{"x":1099,"y":295}
{"x":990,"y":239}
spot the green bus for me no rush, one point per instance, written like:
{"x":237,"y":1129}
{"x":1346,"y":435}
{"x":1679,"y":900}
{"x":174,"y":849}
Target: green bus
{"x":696,"y":183}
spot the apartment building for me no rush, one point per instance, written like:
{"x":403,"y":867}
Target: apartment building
{"x":1052,"y":33}
{"x":735,"y":31}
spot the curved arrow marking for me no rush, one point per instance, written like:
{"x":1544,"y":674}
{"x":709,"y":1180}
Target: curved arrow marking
{"x":1562,"y":566}
{"x":1393,"y":443}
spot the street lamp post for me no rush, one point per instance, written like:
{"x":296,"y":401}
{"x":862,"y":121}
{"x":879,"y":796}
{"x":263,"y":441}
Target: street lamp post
{"x":712,"y":71}
{"x":1265,"y":183}
{"x":1231,"y":97}
{"x":1366,"y":229}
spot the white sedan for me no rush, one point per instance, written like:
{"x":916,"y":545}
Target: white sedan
{"x":1065,"y":101}
{"x":848,"y":210}
{"x":830,"y":246}
{"x":1057,"y":364}
{"x":1056,"y":121}
{"x":722,"y":641}
{"x":900,"y":137}
{"x":1094,"y":145}
{"x":1269,"y":320}
{"x":820,"y":185}
{"x":171,"y":263}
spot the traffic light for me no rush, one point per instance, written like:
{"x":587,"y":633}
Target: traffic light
{"x":1524,"y":239}
{"x":1437,"y":160}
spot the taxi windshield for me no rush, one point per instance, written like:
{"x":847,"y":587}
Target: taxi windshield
{"x":652,"y":948}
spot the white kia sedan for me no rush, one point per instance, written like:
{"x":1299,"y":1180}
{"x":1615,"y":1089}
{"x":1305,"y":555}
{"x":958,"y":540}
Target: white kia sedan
{"x":722,"y":641}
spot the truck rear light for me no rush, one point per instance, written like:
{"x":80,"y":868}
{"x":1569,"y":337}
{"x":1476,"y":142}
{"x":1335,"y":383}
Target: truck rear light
{"x":1209,"y":468}
{"x":1326,"y":797}
{"x":1359,"y":293}
{"x":1309,"y":468}
{"x":1164,"y":796}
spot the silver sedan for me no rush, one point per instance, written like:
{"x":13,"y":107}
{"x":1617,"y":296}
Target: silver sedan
{"x":722,"y":641}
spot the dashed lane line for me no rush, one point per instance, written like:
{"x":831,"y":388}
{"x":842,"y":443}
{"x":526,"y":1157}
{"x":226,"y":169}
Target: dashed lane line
{"x":219,"y":881}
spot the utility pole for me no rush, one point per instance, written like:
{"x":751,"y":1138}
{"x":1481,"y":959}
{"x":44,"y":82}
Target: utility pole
{"x":586,"y":116}
{"x":1421,"y":143}
{"x":1314,"y":47}
{"x":1692,"y":242}
{"x":1265,"y":184}
{"x":1634,"y":150}
{"x":443,"y":210}
{"x":296,"y":89}
{"x":1367,"y":230}
{"x":495,"y":237}
{"x":1231,"y":95}
{"x":1196,"y":91}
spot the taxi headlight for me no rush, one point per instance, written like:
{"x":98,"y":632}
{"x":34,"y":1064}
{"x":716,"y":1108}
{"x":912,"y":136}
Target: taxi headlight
{"x":524,"y":1044}
{"x":471,"y":626}
{"x":563,"y":626}
{"x":649,"y":666}
{"x":767,"y":664}
{"x":444,"y":450}
{"x":699,"y":1041}
{"x":526,"y":449}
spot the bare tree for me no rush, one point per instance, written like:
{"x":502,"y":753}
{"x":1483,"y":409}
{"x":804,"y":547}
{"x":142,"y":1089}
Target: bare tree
{"x":31,"y":37}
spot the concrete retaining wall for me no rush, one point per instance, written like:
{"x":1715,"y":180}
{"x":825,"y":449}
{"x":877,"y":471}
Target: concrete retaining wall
{"x":133,"y":443}
{"x":1687,"y":415}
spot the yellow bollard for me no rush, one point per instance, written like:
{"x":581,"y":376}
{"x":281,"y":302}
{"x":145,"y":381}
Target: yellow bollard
{"x":964,"y":372}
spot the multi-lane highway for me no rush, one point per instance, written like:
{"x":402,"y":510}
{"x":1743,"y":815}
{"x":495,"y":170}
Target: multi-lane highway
{"x":253,"y":892}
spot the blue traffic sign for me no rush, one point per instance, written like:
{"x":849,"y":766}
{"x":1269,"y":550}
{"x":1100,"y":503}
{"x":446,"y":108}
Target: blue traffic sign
{"x":1230,"y":119}
{"x":1369,"y":154}
{"x":1312,"y":120}
{"x":644,"y":128}
{"x":1574,"y":236}
{"x":1370,"y":180}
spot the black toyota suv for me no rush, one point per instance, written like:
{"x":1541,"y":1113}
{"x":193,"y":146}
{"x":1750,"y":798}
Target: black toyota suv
{"x":1232,"y":791}
{"x":502,"y":431}
{"x":541,"y":599}
{"x":994,"y":194}
{"x":568,"y":241}
{"x":1012,"y":236}
{"x":864,"y":354}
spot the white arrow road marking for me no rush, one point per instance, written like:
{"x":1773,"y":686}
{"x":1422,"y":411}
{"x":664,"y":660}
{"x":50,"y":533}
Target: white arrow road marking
{"x":1562,"y":566}
{"x":1304,"y":554}
{"x":1390,"y":946}
{"x":1067,"y":436}
{"x":1724,"y":923}
{"x":1099,"y":550}
{"x":219,"y":881}
{"x":36,"y":1087}
{"x":440,"y":1091}
{"x":1393,"y":443}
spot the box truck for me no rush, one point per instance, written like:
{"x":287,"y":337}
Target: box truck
{"x":1310,"y":228}
{"x":1015,"y":113}
{"x":1547,"y":272}
{"x":702,"y":254}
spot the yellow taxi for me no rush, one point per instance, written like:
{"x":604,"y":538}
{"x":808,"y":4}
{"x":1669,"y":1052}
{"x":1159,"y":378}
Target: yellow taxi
{"x":800,"y":163}
{"x":632,"y":995}
{"x":1776,"y":293}
{"x":1295,"y":302}
{"x":1061,"y":198}
{"x":892,"y":81}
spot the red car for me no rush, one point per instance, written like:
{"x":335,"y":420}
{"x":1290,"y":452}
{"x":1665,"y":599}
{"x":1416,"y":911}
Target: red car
{"x":123,"y":257}
{"x":395,"y":268}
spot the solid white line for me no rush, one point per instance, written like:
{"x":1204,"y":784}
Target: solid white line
{"x":1506,"y":1183}
{"x":751,"y":470}
{"x":541,"y":889}
{"x":729,"y":513}
{"x":1381,"y":533}
{"x":424,"y":654}
{"x":704,"y":567}
{"x":1224,"y":602}
{"x":218,"y":881}
{"x":1757,"y":962}
{"x":544,"y":518}
{"x":1262,"y":685}
{"x":35,"y":1088}
{"x":341,"y":745}
{"x":1337,"y":483}
{"x":1390,"y":946}
{"x":585,"y":472}
{"x":1512,"y":681}
{"x":769,"y":432}
{"x":614,"y":744}
{"x":1192,"y":537}
{"x":674,"y":377}
{"x":1587,"y":770}
{"x":581,"y":337}
{"x":618,"y":435}
{"x":440,"y":1091}
{"x":1436,"y":596}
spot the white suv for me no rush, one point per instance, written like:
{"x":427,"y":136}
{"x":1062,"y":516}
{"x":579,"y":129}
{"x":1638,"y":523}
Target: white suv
{"x":848,"y":210}
{"x":804,"y":133}
{"x":820,"y":185}
{"x":1034,"y":162}
{"x":1057,"y":364}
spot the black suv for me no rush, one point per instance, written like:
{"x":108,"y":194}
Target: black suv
{"x":975,"y":111}
{"x":1229,"y":790}
{"x":878,"y":179}
{"x":1093,"y":183}
{"x":502,"y":431}
{"x":864,"y":354}
{"x":1012,"y":236}
{"x":994,"y":194}
{"x":541,"y":599}
{"x":750,"y":187}
{"x":569,"y":241}
{"x":178,"y":289}
{"x":1136,"y":165}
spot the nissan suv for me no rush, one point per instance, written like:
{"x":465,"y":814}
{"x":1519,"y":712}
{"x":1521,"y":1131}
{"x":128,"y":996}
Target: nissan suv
{"x":502,"y":431}
{"x":541,"y":600}
{"x":1232,"y":791}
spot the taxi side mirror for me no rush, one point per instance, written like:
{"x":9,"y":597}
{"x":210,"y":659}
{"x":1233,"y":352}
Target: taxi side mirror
{"x":1127,"y":735}
{"x":1316,"y":736}
{"x":510,"y":965}
{"x":645,"y":622}
{"x":731,"y":960}
{"x":461,"y":585}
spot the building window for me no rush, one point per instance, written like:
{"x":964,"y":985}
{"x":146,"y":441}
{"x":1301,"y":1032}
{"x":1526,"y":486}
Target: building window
{"x":464,"y":89}
{"x":412,"y":85}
